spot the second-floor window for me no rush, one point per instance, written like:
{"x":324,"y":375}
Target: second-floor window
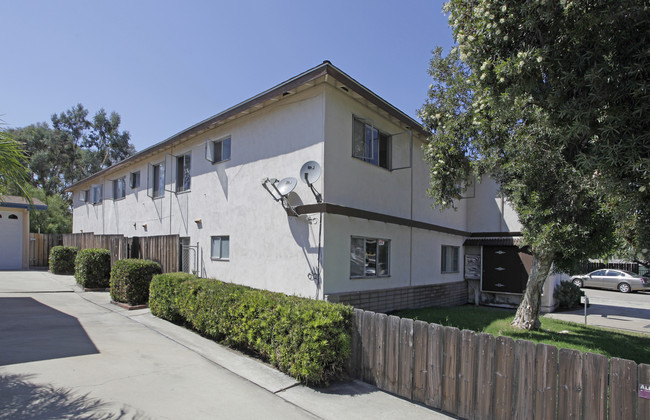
{"x":97,"y":194}
{"x":218,"y":150}
{"x":370,"y":144}
{"x":119,"y":188}
{"x":156,"y":180}
{"x":183,"y":176}
{"x":134,"y":180}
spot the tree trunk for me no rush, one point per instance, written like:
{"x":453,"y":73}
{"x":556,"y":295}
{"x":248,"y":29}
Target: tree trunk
{"x":527,"y":316}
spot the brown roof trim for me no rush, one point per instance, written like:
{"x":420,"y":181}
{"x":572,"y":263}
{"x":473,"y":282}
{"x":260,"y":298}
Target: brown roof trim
{"x":379,"y":217}
{"x":325,"y":68}
{"x":480,"y":237}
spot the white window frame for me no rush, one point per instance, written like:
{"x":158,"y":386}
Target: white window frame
{"x":224,"y":147}
{"x":134,"y":180}
{"x":97,"y":194}
{"x":371,"y":151}
{"x":221,"y":239}
{"x":454,"y":259}
{"x":154,"y":181}
{"x":83,"y":196}
{"x":116,"y":188}
{"x":183,"y":172}
{"x":364,"y":256}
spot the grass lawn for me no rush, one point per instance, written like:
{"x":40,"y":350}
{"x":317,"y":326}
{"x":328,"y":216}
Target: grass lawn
{"x":562,"y":334}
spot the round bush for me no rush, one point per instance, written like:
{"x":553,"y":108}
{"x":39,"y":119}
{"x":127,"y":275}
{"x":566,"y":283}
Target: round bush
{"x":62,"y":259}
{"x":568,"y":295}
{"x":130,"y":279}
{"x":93,"y":268}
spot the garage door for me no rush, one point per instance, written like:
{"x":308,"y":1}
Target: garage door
{"x":11,"y":240}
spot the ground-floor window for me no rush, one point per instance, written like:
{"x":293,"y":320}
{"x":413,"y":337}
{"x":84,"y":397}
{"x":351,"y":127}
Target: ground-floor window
{"x":220,"y":249}
{"x":369,"y":257}
{"x":449,"y":260}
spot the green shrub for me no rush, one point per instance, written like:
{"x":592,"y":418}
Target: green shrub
{"x":62,"y":259}
{"x":307,"y":339}
{"x":92,"y":268}
{"x":163,"y":294}
{"x":130,"y":279}
{"x":568,"y":295}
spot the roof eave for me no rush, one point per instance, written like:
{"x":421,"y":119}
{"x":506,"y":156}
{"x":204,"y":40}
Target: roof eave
{"x":325,"y":68}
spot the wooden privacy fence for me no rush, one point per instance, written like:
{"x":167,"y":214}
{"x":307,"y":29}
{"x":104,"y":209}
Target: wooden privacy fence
{"x":162,"y":249}
{"x":39,"y":248}
{"x":478,"y":376}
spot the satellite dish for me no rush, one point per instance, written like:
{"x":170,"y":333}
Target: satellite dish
{"x":310,"y":172}
{"x":286,"y":185}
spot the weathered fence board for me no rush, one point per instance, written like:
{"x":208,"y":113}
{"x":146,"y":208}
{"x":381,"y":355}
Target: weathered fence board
{"x":484,"y":376}
{"x":570,"y":384}
{"x":434,"y":366}
{"x":450,"y":363}
{"x":595,"y":391}
{"x":392,"y":354}
{"x":354,"y":362}
{"x":622,"y":388}
{"x":524,"y":379}
{"x":405,"y":375}
{"x":545,"y":382}
{"x":381,"y":325}
{"x":467,"y":373}
{"x":503,"y":383}
{"x":368,"y":346}
{"x":644,"y":393}
{"x":420,"y":341}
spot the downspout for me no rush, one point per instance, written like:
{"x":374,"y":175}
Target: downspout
{"x":411,"y":228}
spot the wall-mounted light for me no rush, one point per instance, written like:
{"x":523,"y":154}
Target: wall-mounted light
{"x":198,"y":221}
{"x":144,"y":225}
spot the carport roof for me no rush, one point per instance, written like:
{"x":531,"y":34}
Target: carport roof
{"x":16,"y":202}
{"x":494,"y":241}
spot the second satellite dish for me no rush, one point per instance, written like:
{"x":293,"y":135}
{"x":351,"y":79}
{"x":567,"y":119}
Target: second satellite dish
{"x":286,"y":185}
{"x":310,"y":172}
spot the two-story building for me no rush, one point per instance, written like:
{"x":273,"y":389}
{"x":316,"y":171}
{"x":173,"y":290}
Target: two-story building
{"x":364,"y":232}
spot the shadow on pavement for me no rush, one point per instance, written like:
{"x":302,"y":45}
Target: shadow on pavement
{"x":31,"y":331}
{"x":21,"y":399}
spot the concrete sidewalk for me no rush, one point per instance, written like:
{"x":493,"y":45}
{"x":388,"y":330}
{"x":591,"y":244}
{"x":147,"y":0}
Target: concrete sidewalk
{"x":65,"y":353}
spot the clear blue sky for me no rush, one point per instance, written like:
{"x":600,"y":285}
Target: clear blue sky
{"x":166,"y":65}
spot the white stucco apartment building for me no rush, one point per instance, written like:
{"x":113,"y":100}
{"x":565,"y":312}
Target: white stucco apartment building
{"x":373,"y":241}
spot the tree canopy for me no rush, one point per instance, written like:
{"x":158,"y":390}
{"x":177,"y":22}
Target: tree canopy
{"x":74,"y":147}
{"x":546,"y":97}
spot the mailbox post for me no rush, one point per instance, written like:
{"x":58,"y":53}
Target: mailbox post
{"x":584,"y":299}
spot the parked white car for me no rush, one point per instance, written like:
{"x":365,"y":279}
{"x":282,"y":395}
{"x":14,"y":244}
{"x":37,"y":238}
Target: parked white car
{"x":621,"y":280}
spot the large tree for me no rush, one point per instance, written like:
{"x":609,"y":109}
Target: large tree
{"x":547,"y":97}
{"x":74,"y":147}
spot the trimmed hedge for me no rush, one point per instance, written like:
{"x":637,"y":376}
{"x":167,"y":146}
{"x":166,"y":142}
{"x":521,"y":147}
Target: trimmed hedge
{"x":92,"y":268}
{"x":163,"y":294}
{"x":307,"y":339}
{"x":130,"y":279}
{"x":62,"y":259}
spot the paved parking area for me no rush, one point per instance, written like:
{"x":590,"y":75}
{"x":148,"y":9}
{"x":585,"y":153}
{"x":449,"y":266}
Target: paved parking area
{"x":68,"y":354}
{"x":612,"y":309}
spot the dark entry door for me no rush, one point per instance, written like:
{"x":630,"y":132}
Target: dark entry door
{"x":505,"y":269}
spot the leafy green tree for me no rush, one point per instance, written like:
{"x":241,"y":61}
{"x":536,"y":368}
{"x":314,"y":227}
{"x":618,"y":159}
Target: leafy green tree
{"x":56,"y":219}
{"x":586,"y":64}
{"x":518,"y":99}
{"x":13,"y":174}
